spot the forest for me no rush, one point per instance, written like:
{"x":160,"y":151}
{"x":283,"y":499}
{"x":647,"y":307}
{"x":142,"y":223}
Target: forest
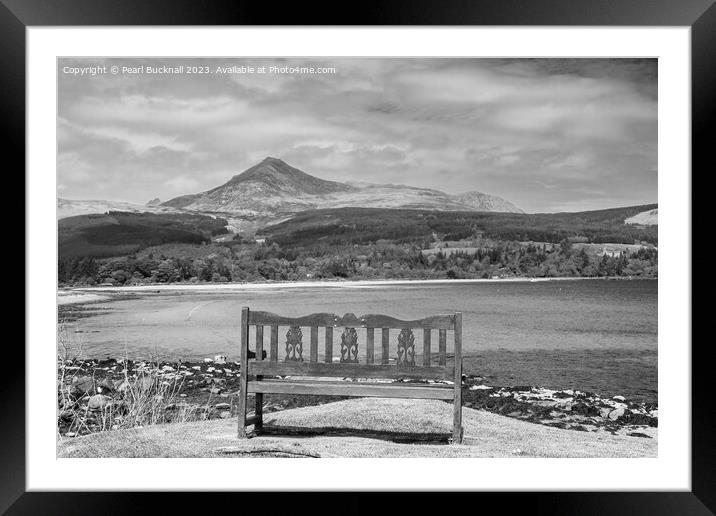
{"x":384,"y":260}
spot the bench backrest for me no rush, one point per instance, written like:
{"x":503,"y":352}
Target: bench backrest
{"x":360,"y":355}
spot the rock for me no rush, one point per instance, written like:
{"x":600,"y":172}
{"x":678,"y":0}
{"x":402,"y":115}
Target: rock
{"x":220,"y":359}
{"x":121,"y":385}
{"x":71,"y":434}
{"x":196,"y":368}
{"x":480,"y":387}
{"x":222,"y":406}
{"x":604,"y":412}
{"x":208,"y":360}
{"x":616,"y":414}
{"x":83,"y":385}
{"x":619,"y":398}
{"x":106,"y":385}
{"x":98,"y":402}
{"x":225,"y":414}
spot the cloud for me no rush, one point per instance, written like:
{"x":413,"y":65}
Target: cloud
{"x":542,"y":133}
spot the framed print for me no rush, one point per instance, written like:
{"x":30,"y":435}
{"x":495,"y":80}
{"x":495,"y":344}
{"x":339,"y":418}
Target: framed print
{"x":422,"y":239}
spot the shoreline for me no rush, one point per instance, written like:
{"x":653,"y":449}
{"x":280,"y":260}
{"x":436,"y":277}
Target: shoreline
{"x":208,"y":389}
{"x":329,"y":284}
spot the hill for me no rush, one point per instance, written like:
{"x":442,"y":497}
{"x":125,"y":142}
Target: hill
{"x":645,"y":218}
{"x":346,"y":226}
{"x":71,"y":207}
{"x":276,"y":189}
{"x":119,"y":233}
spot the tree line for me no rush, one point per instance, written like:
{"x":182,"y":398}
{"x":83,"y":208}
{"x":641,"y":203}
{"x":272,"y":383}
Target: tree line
{"x":241,"y":262}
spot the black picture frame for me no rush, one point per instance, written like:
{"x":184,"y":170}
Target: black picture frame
{"x":699,"y":15}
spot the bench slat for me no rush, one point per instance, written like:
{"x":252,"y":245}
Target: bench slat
{"x":360,"y":389}
{"x":351,"y":321}
{"x":386,"y":321}
{"x":370,"y":345}
{"x":329,"y":345}
{"x":386,"y":346}
{"x":274,"y":344}
{"x":350,"y":370}
{"x":259,"y":342}
{"x":314,"y":344}
{"x":426,"y":347}
{"x":442,"y":347}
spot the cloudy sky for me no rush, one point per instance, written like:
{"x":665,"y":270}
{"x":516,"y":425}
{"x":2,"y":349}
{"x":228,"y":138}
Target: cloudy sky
{"x":546,"y":134}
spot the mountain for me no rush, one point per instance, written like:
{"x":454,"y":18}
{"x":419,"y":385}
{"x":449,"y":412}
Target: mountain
{"x":274,"y":188}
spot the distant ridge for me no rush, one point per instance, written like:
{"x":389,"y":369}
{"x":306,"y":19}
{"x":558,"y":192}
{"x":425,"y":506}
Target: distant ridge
{"x":273,"y":187}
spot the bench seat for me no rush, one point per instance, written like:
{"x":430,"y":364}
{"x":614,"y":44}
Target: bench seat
{"x":436,"y":391}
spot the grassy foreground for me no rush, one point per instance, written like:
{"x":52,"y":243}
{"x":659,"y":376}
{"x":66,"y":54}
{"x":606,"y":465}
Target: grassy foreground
{"x":365,"y":427}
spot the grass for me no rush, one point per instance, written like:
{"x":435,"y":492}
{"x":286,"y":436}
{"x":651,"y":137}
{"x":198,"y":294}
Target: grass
{"x":144,"y":398}
{"x":364,"y":427}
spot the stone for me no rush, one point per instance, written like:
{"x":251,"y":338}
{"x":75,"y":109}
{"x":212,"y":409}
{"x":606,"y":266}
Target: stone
{"x":605,"y":411}
{"x":208,"y":360}
{"x":222,"y":406}
{"x":196,"y":368}
{"x":82,"y":385}
{"x":616,"y":414}
{"x":121,"y":385}
{"x":619,"y":398}
{"x":98,"y":402}
{"x":220,"y":359}
{"x":225,"y":414}
{"x":106,"y":384}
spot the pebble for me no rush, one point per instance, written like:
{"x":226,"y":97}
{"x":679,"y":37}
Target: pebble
{"x":616,"y":414}
{"x":98,"y":402}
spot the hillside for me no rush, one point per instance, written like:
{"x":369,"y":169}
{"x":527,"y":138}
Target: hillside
{"x":274,"y":188}
{"x":123,"y":233}
{"x":346,"y":226}
{"x":72,"y":208}
{"x":645,"y":218}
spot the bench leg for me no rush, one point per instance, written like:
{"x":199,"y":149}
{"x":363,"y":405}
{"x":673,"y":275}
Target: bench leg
{"x":457,"y":423}
{"x":243,"y":371}
{"x":242,"y":411}
{"x":259,"y":412}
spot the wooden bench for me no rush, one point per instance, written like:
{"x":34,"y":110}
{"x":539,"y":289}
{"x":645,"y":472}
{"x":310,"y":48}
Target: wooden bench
{"x":356,"y":361}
